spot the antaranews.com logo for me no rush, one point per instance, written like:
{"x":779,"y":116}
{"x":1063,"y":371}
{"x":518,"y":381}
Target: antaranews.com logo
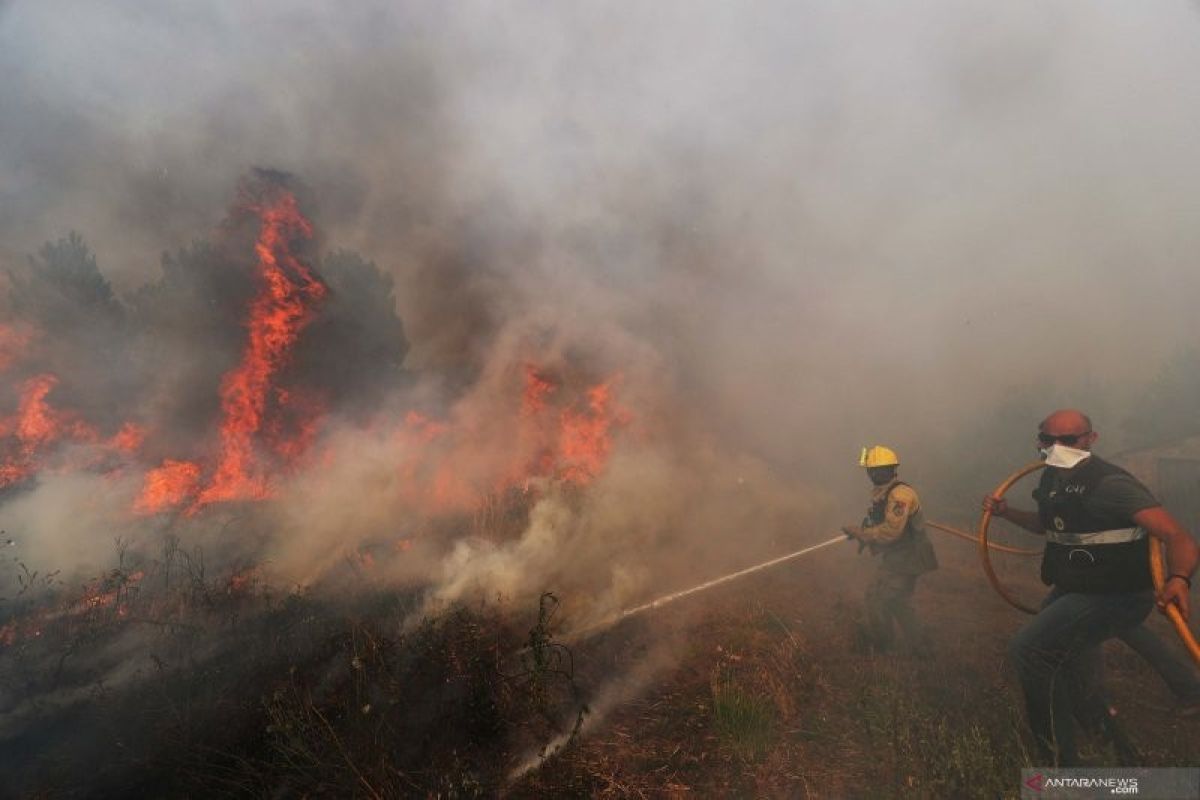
{"x":1111,"y":786}
{"x":1168,"y":783}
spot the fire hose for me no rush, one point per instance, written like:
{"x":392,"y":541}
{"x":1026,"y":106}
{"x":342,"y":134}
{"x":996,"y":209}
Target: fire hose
{"x":715,"y":582}
{"x":1156,"y":565}
{"x":583,"y":633}
{"x":999,"y":548}
{"x":670,"y":598}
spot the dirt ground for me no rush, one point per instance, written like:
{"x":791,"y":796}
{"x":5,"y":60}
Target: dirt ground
{"x":840,"y":723}
{"x":756,"y":688}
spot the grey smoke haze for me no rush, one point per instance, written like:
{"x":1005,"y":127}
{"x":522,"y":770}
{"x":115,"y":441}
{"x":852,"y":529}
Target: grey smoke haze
{"x":832,"y":224}
{"x":792,"y":228}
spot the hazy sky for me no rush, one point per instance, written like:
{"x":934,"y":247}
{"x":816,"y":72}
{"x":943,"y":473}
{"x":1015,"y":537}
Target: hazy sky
{"x":837,"y":222}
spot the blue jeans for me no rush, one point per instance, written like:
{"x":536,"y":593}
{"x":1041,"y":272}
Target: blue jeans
{"x":1178,"y":673}
{"x":1057,"y":657}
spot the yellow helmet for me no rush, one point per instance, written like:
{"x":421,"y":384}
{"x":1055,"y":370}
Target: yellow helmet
{"x":878,"y":456}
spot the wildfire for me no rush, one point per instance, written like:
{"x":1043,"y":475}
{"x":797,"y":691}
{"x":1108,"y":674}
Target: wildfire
{"x":284,"y":306}
{"x":168,"y":486}
{"x":570,"y":442}
{"x":111,"y":591}
{"x":286,"y":302}
{"x":129,"y":439}
{"x":585,"y":440}
{"x":100,"y":595}
{"x":551,"y":424}
{"x":35,"y":427}
{"x":551,"y":432}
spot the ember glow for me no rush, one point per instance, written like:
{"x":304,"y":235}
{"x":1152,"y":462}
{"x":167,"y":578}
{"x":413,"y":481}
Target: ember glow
{"x":107,"y":593}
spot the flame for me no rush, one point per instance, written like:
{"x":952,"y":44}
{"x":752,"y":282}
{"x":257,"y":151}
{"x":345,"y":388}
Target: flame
{"x":548,"y":425}
{"x":129,"y":439}
{"x":549,"y":432}
{"x":95,"y":595}
{"x":534,"y":436}
{"x":585,"y":440}
{"x":35,"y":427}
{"x":37,"y":423}
{"x":112,"y":590}
{"x":572,"y":444}
{"x":283,"y":307}
{"x":168,"y":486}
{"x":256,"y":414}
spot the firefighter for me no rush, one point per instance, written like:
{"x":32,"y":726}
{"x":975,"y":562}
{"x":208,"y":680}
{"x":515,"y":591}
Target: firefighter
{"x":1095,"y":517}
{"x":893,"y":529}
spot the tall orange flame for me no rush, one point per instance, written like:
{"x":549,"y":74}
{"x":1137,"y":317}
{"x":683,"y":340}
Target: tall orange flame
{"x":284,"y":305}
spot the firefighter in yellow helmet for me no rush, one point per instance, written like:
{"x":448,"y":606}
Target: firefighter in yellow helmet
{"x":893,"y":529}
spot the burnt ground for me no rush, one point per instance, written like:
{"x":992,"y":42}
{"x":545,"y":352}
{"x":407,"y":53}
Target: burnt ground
{"x":753,"y":689}
{"x":843,"y":724}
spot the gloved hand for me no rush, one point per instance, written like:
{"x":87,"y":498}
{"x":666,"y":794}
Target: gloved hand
{"x":855,"y":532}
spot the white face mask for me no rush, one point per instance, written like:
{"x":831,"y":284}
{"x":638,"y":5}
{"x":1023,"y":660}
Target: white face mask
{"x":1061,"y":456}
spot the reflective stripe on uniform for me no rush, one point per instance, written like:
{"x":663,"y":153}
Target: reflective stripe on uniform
{"x":1114,"y":536}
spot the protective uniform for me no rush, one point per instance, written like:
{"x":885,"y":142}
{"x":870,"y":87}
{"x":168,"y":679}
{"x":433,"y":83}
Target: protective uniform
{"x":1089,"y":549}
{"x":1096,"y":562}
{"x":895,"y":529}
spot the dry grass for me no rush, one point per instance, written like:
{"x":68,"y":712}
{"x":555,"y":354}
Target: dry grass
{"x":842,"y":725}
{"x":765,"y":696}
